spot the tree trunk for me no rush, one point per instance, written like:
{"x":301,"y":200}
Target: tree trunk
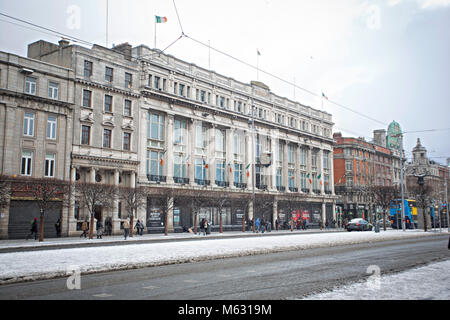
{"x":384,"y":219}
{"x":243,"y":223}
{"x":131,"y":224}
{"x":424,"y":219}
{"x":91,"y":227}
{"x":166,"y":227}
{"x":195,"y":222}
{"x":41,"y":227}
{"x":221,"y":222}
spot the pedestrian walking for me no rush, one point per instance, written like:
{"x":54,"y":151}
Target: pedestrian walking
{"x":327,"y":225}
{"x":84,"y":228}
{"x":207,"y":227}
{"x":126,"y":228}
{"x":257,"y":225}
{"x":263,"y":225}
{"x":33,"y":229}
{"x":276,"y":224}
{"x":58,"y":228}
{"x":202,"y":227}
{"x":139,"y":227}
{"x":99,"y":229}
{"x":108,"y":226}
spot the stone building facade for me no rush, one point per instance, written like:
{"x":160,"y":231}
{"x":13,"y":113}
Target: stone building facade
{"x":143,"y":118}
{"x":36,"y":120}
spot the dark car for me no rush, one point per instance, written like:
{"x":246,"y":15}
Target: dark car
{"x":358,"y":225}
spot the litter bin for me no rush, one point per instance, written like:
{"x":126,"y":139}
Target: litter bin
{"x":377,"y":228}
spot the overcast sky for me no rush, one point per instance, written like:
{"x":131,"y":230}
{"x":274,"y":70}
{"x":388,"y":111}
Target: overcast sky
{"x":386,"y":59}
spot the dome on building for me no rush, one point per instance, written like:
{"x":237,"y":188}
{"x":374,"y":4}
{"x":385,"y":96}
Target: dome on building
{"x":394,"y":136}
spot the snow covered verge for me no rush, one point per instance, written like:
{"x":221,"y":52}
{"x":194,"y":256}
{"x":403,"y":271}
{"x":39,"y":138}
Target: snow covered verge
{"x":431,"y":282}
{"x":46,"y":264}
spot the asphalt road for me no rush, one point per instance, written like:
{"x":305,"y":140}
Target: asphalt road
{"x":286,"y":275}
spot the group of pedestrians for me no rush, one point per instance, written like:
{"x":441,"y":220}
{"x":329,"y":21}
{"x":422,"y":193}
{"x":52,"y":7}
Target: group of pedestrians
{"x":205,"y":227}
{"x":261,"y":225}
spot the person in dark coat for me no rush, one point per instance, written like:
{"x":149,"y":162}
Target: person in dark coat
{"x":139,"y":227}
{"x":58,"y":228}
{"x":99,"y":229}
{"x":33,"y":229}
{"x":202,"y":227}
{"x":84,"y":228}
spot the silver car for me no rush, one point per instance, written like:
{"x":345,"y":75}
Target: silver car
{"x":359,"y":224}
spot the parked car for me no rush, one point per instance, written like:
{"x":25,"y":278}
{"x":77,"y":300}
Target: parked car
{"x":358,"y":225}
{"x":381,"y":223}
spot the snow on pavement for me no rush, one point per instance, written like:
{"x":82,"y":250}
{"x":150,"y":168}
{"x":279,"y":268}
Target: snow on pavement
{"x":431,"y":282}
{"x":33,"y":265}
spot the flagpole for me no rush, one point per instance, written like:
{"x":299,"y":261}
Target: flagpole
{"x":107,"y":16}
{"x":257,"y":65}
{"x":155,"y":34}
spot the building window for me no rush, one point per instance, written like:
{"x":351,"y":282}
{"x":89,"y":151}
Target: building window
{"x":203,"y":96}
{"x":108,"y":103}
{"x":107,"y":138}
{"x":126,"y":141}
{"x":326,"y":160}
{"x":220,"y":143}
{"x":200,"y":139}
{"x":155,"y":130}
{"x":179,"y":167}
{"x":348,"y":166}
{"x":87,"y":97}
{"x":87,"y":68}
{"x":179,"y":137}
{"x":49,"y":170}
{"x":303,"y":158}
{"x":279,"y":178}
{"x":53,"y":89}
{"x":237,"y":146}
{"x":128,"y":80}
{"x":154,"y":163}
{"x":238,"y":173}
{"x":28,"y":124}
{"x":200,"y":169}
{"x":30,"y":85}
{"x":181,"y":89}
{"x":109,"y":74}
{"x":291,"y":176}
{"x":220,"y":171}
{"x":127,"y":108}
{"x":51,"y":127}
{"x":156,"y":82}
{"x":291,"y":154}
{"x":85,"y":135}
{"x":26,"y":165}
{"x":303,"y":184}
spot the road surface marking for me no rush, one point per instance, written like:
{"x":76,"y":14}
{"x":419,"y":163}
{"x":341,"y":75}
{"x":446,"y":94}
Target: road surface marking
{"x":103,"y":295}
{"x":150,"y":287}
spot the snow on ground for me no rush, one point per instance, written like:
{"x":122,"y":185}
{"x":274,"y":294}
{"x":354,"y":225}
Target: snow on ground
{"x":32,"y":265}
{"x":431,"y":282}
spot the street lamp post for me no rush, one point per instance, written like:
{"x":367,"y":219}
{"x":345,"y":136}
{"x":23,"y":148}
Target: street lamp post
{"x":446,"y":204}
{"x":403,"y":192}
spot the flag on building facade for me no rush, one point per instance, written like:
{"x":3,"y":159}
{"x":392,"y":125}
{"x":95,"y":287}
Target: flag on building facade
{"x":323,"y":95}
{"x":160,"y":19}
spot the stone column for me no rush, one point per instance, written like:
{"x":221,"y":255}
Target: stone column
{"x":274,"y":213}
{"x":230,"y":156}
{"x":297,"y":167}
{"x":115,"y":211}
{"x":168,"y":156}
{"x":170,"y":215}
{"x":72,"y":222}
{"x":320,"y":166}
{"x":309,"y":169}
{"x":133,"y":179}
{"x":331,"y":170}
{"x":92,"y":175}
{"x":249,"y":159}
{"x":191,"y":152}
{"x":324,"y":213}
{"x":273,"y":167}
{"x":211,"y":159}
{"x":284,"y":170}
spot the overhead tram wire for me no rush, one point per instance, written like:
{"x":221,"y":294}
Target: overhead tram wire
{"x":285,"y":81}
{"x":69,"y":37}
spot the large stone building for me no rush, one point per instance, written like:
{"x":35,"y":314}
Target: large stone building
{"x":37,"y":102}
{"x":143,"y":118}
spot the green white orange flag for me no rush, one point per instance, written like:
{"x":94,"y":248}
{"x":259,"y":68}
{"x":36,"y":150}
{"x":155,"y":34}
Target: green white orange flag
{"x":160,"y":19}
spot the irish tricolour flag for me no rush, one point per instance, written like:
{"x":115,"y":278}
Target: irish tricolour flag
{"x":160,"y":19}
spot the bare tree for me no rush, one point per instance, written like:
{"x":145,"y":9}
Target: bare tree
{"x":47,"y":193}
{"x":134,"y":199}
{"x":383,"y":195}
{"x":93,"y":195}
{"x":290,"y":204}
{"x":5,"y":190}
{"x":423,"y":195}
{"x":165,"y":200}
